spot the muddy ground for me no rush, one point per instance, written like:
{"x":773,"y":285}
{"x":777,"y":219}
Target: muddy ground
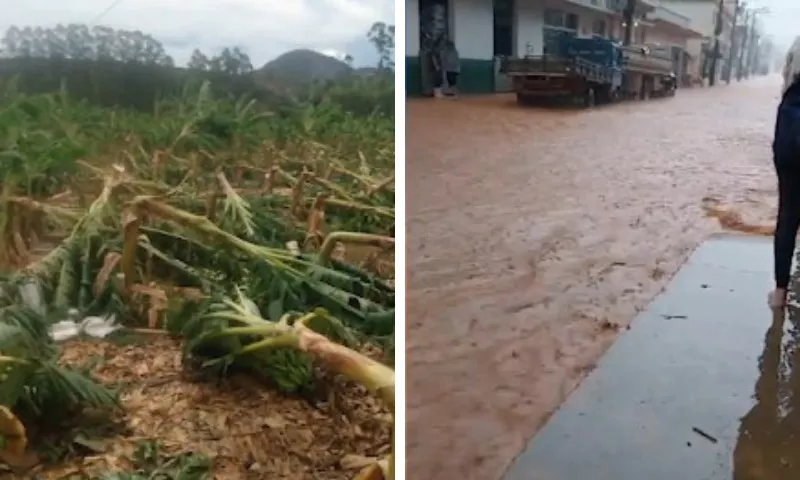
{"x":243,"y":428}
{"x":535,"y":235}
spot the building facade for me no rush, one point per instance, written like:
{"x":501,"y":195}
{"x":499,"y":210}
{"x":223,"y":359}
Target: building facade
{"x":486,"y":30}
{"x":674,"y":33}
{"x":703,"y":15}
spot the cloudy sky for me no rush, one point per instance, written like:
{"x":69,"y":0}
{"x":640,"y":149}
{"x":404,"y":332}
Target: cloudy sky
{"x":264,"y":28}
{"x":782,"y":21}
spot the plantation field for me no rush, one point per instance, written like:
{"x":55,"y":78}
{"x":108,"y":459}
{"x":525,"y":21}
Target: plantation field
{"x":200,"y":291}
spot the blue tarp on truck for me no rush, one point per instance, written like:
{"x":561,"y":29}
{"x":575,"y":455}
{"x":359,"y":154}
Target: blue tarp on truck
{"x":599,"y":51}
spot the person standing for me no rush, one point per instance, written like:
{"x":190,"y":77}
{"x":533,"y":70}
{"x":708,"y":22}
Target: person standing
{"x":786,"y":157}
{"x":430,"y":53}
{"x":436,"y":69}
{"x":451,"y":63}
{"x":791,"y":65}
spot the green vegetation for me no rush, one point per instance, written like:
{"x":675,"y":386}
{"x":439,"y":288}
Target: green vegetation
{"x":255,"y":224}
{"x":119,"y":68}
{"x":150,"y":463}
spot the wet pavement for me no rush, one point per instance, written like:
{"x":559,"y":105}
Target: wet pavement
{"x":702,"y":387}
{"x":535,"y":236}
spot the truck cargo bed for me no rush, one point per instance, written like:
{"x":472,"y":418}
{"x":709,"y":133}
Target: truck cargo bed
{"x":640,"y":59}
{"x":552,"y":66}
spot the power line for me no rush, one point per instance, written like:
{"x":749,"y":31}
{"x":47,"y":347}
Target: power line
{"x":105,"y":11}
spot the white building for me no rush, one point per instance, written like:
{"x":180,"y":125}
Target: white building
{"x":485,"y":30}
{"x":703,"y":16}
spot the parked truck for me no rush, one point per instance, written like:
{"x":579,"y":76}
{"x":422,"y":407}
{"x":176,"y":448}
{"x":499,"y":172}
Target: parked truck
{"x":649,"y":71}
{"x":592,"y":70}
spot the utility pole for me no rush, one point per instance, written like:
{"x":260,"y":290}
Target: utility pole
{"x":745,"y":44}
{"x":712,"y":76}
{"x":731,"y":51}
{"x":746,"y":63}
{"x":627,"y":16}
{"x":752,"y":54}
{"x":751,"y":47}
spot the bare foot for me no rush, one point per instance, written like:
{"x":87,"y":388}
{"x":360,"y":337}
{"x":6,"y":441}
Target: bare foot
{"x":777,"y":298}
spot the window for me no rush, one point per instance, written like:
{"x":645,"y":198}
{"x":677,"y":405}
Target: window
{"x":553,"y":18}
{"x":599,"y":28}
{"x":560,"y":19}
{"x":571,"y":21}
{"x":552,"y":39}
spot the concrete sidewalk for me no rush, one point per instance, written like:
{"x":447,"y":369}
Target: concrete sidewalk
{"x":674,"y":396}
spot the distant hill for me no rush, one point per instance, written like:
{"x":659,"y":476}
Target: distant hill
{"x":368,"y":71}
{"x":281,"y":82}
{"x":131,"y":84}
{"x":303,"y":66}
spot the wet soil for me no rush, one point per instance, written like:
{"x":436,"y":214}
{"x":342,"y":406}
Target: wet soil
{"x":535,"y":235}
{"x":248,"y":430}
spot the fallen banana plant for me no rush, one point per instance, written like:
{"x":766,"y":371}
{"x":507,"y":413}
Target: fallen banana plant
{"x":237,"y":330}
{"x":13,"y":438}
{"x":289,"y":281}
{"x":197,"y":209}
{"x":32,"y":383}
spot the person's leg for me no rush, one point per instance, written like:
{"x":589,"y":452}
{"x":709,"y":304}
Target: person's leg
{"x":785,"y":231}
{"x":452,"y":81}
{"x":437,"y":83}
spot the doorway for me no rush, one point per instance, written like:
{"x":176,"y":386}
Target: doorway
{"x":503,"y":23}
{"x":434,"y":26}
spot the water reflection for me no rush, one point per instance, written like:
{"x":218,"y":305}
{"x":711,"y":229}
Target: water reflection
{"x":768,"y":444}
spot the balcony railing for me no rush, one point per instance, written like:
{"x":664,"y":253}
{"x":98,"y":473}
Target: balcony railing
{"x":599,"y":5}
{"x":664,"y":14}
{"x":619,"y":5}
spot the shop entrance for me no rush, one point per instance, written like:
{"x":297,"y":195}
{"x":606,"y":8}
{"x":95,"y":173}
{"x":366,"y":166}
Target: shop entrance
{"x":503,"y":41}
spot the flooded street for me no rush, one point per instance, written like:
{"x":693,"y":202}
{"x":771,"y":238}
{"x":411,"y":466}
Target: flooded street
{"x":534,"y":236}
{"x":675,"y":399}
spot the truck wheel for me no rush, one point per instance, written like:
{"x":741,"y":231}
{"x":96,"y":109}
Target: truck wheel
{"x":523,"y":99}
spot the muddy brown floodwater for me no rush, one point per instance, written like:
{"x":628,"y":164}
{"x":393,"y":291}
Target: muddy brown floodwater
{"x":535,"y":235}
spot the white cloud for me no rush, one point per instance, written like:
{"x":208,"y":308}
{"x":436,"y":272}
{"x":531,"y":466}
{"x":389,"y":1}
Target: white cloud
{"x":264,"y":28}
{"x":334,"y":53}
{"x":781,"y":19}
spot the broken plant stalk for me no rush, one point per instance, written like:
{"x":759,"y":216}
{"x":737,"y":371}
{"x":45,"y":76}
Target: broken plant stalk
{"x":374,"y":376}
{"x":277,"y":257}
{"x":378,"y":241}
